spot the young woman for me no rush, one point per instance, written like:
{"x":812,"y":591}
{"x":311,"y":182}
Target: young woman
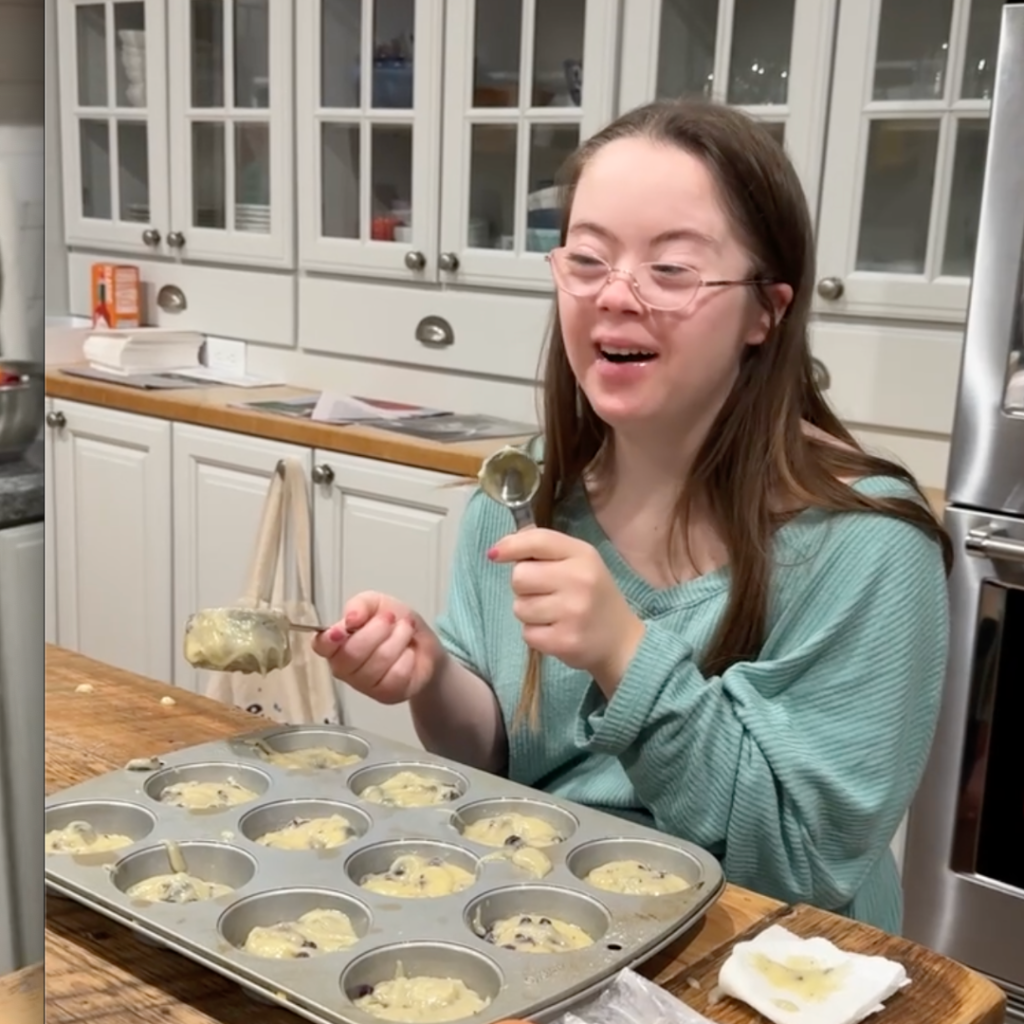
{"x":731,"y":621}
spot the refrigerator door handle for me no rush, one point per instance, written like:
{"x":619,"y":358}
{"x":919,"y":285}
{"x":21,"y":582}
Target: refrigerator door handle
{"x":986,"y":542}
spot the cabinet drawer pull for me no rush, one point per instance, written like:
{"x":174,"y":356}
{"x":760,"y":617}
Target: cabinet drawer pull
{"x":435,"y":332}
{"x":322,"y":475}
{"x":171,"y":299}
{"x":55,"y":419}
{"x":151,"y":237}
{"x":175,"y":239}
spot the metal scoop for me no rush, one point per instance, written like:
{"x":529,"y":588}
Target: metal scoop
{"x":241,"y":639}
{"x":512,"y":478}
{"x":175,"y":858}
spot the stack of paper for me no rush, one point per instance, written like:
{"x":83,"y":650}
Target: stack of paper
{"x":143,"y":350}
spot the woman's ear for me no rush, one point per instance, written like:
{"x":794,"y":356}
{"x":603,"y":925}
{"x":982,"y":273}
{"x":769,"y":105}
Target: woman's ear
{"x":780,"y":296}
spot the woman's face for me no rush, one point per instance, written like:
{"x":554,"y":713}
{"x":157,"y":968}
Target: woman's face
{"x":636,"y":202}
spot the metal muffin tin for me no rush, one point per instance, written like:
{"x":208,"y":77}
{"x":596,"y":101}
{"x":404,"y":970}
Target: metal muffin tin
{"x":431,"y":936}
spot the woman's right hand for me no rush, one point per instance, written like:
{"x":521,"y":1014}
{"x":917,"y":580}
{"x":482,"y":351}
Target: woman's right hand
{"x":382,"y":648}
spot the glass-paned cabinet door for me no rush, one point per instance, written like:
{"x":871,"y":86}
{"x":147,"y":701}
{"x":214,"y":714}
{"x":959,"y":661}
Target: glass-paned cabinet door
{"x":905,"y":157}
{"x":231,"y":130}
{"x":770,"y":58}
{"x":114,"y":123}
{"x":525,"y":82}
{"x":368,"y":80}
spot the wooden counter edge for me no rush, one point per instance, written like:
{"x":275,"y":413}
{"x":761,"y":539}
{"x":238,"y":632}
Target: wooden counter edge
{"x":216,"y":407}
{"x":211,"y":408}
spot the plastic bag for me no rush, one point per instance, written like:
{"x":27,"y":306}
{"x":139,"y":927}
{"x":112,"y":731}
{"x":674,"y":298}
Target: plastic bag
{"x":632,"y":999}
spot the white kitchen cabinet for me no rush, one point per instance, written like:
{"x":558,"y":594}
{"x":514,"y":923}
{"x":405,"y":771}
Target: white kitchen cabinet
{"x":770,"y":58}
{"x":112,"y":480}
{"x":389,"y":528}
{"x":113,"y":87}
{"x":50,"y":532}
{"x":521,"y":82}
{"x":177,"y":128}
{"x":220,"y":483}
{"x":905,"y":157}
{"x":22,"y":689}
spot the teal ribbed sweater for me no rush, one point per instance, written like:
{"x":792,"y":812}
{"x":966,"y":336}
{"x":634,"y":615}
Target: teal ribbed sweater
{"x":794,"y":770}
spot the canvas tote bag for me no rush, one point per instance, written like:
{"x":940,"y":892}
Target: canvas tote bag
{"x":303,"y":692}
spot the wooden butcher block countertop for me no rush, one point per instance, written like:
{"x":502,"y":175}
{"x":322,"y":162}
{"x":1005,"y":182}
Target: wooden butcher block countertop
{"x":213,"y":407}
{"x":97,"y":971}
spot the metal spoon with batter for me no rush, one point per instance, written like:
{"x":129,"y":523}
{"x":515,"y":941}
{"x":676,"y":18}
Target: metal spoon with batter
{"x":511,"y":477}
{"x":241,"y":639}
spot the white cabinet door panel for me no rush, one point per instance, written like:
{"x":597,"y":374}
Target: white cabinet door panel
{"x":387,"y":528}
{"x":220,"y":486}
{"x":112,"y":475}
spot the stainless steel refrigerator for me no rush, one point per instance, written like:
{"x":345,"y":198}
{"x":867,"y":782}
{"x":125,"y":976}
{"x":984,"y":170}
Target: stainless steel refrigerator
{"x":964,"y":864}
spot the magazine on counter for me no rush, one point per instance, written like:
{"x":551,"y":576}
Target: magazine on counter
{"x":298,"y":408}
{"x":455,"y":427}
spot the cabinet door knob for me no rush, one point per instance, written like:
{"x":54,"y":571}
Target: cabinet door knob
{"x":151,"y":237}
{"x":415,"y":260}
{"x":820,"y":373}
{"x":448,"y":261}
{"x":175,"y":239}
{"x":830,"y":288}
{"x":55,"y":419}
{"x":322,"y":475}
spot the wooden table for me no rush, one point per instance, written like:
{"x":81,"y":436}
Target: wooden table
{"x":97,"y":971}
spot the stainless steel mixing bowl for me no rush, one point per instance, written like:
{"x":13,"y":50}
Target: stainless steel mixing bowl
{"x":22,"y":402}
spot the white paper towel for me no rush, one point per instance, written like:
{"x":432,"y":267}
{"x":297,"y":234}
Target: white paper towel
{"x":808,"y":981}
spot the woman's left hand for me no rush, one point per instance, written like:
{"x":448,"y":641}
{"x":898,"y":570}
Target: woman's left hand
{"x":569,"y":605}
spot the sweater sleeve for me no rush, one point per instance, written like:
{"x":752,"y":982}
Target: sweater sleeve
{"x":799,"y":765}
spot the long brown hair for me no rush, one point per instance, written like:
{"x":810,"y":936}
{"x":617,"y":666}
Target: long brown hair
{"x":759,"y":465}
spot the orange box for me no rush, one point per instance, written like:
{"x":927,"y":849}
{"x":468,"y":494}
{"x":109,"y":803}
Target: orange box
{"x":116,"y":296}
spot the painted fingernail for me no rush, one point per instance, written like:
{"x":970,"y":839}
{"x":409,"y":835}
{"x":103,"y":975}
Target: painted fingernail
{"x":492,"y":554}
{"x":390,"y":618}
{"x":335,"y":634}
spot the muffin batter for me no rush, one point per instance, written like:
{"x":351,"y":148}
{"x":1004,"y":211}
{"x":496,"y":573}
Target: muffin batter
{"x":410,"y":789}
{"x":81,"y":837}
{"x":310,"y":834}
{"x":315,"y":932}
{"x":513,"y":829}
{"x":206,"y":796}
{"x":238,"y":640}
{"x":417,"y":877}
{"x":177,"y":888}
{"x":526,"y":858}
{"x":309,"y":758}
{"x":633,"y":878}
{"x":420,"y":1000}
{"x":534,"y":933}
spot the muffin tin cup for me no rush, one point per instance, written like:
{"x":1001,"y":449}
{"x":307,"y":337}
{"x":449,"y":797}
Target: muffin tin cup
{"x":423,"y":934}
